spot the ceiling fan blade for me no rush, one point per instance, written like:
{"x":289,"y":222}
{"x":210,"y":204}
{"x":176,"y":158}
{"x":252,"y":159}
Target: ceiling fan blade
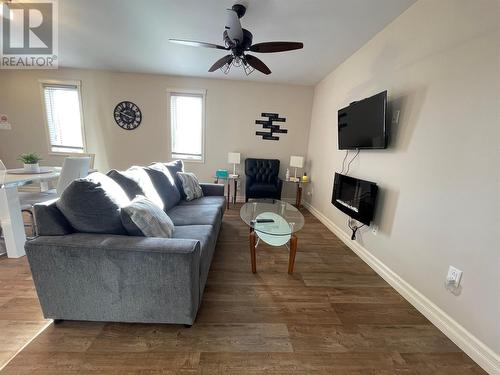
{"x":269,"y":47}
{"x":228,"y":59}
{"x":193,"y":43}
{"x":256,"y":63}
{"x":233,"y":27}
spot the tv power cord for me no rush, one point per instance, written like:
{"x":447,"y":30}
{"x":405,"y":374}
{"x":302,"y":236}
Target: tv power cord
{"x":354,"y":228}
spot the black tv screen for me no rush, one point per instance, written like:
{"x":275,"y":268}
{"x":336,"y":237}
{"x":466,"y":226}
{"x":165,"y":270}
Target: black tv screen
{"x":354,"y":197}
{"x":363,"y":124}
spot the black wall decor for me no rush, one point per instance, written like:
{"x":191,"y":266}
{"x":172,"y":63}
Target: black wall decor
{"x":268,"y":124}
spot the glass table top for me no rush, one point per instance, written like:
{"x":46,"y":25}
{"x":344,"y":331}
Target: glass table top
{"x":283,"y":218}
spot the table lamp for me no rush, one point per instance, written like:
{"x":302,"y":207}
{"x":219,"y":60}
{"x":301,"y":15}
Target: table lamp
{"x":296,"y":162}
{"x":233,"y":158}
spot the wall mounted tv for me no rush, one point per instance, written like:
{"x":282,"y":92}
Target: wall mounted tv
{"x":362,"y":124}
{"x":354,"y":197}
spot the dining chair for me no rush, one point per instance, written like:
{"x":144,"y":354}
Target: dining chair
{"x":83,"y":155}
{"x":72,"y":169}
{"x":3,"y":172}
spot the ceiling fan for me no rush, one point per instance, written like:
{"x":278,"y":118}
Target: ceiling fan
{"x":239,"y":42}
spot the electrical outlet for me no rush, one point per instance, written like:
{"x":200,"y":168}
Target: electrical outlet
{"x":454,"y":276}
{"x":374,"y":229}
{"x":395,"y":117}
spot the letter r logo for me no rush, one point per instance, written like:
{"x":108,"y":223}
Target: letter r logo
{"x":27,"y":28}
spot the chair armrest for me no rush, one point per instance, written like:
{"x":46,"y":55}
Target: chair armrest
{"x":279,"y":183}
{"x":212,"y":189}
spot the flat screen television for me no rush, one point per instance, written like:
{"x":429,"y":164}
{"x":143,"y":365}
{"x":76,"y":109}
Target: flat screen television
{"x":362,"y":124}
{"x":354,"y":197}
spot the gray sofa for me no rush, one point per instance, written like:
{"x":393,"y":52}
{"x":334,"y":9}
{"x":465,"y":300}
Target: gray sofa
{"x":123,"y":278}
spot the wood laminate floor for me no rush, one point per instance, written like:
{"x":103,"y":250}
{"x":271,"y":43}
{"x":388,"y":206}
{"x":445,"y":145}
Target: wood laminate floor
{"x":334,"y":315}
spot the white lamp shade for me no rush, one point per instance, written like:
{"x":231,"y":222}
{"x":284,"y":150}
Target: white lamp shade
{"x":233,"y":158}
{"x":296,"y":161}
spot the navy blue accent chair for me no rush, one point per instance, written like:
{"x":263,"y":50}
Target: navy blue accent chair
{"x":262,"y":179}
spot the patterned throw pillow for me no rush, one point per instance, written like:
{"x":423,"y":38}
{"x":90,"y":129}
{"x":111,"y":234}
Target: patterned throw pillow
{"x":150,"y":219}
{"x":190,"y":185}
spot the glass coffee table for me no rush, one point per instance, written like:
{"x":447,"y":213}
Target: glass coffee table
{"x":274,"y":222}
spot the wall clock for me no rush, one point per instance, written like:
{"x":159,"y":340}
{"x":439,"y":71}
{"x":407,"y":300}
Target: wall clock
{"x":128,"y":116}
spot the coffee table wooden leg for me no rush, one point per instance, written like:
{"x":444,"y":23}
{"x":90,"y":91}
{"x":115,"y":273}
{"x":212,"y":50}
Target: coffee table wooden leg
{"x":293,"y":251}
{"x":252,"y":251}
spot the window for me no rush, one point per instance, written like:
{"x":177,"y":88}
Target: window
{"x":63,"y":112}
{"x":187,"y":117}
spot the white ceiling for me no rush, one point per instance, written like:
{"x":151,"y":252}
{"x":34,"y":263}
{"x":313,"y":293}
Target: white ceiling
{"x":132,"y":36}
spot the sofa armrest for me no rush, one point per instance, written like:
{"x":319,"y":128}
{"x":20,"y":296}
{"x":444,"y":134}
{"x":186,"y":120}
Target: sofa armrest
{"x":212,"y":189}
{"x":49,"y":220}
{"x":101,"y":277}
{"x":112,"y":242}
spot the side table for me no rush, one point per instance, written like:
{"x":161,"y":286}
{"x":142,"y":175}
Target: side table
{"x":298,"y":194}
{"x":230,"y":180}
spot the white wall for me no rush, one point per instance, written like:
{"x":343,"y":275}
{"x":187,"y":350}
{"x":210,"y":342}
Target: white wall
{"x":231,"y":110}
{"x":440,"y":178}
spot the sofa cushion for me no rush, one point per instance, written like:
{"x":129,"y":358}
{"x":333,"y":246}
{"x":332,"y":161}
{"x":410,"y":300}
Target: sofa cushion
{"x":211,"y":200}
{"x":164,"y":184}
{"x":145,"y":217}
{"x":136,"y":181}
{"x":92,"y":204}
{"x":174,"y":167}
{"x":195,"y":214}
{"x":190,"y":185}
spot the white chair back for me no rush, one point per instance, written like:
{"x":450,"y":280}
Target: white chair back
{"x":72,"y":169}
{"x":3,"y":172}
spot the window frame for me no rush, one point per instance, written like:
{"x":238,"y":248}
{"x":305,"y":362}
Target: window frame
{"x":196,"y":92}
{"x":51,"y":82}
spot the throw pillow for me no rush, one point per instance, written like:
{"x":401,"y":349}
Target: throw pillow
{"x":164,"y":184}
{"x":92,"y":204}
{"x":190,"y":185}
{"x":174,"y":167}
{"x":145,"y":217}
{"x":136,"y":181}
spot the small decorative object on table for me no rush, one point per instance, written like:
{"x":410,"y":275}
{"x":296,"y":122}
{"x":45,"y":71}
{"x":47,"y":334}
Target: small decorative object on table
{"x":222,"y":173}
{"x":31,"y":162}
{"x":305,"y":177}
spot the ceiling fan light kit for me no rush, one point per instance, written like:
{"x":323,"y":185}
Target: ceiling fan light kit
{"x":239,"y":42}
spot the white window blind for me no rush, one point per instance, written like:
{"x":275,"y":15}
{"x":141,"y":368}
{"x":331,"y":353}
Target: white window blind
{"x":64,"y":120}
{"x":186,"y":123}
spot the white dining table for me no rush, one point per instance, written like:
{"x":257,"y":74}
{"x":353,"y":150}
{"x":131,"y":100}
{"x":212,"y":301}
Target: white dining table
{"x":11,"y":218}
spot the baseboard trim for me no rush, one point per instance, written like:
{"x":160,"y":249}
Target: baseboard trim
{"x":470,"y":344}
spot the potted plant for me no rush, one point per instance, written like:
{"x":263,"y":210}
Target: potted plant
{"x":30,"y":161}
